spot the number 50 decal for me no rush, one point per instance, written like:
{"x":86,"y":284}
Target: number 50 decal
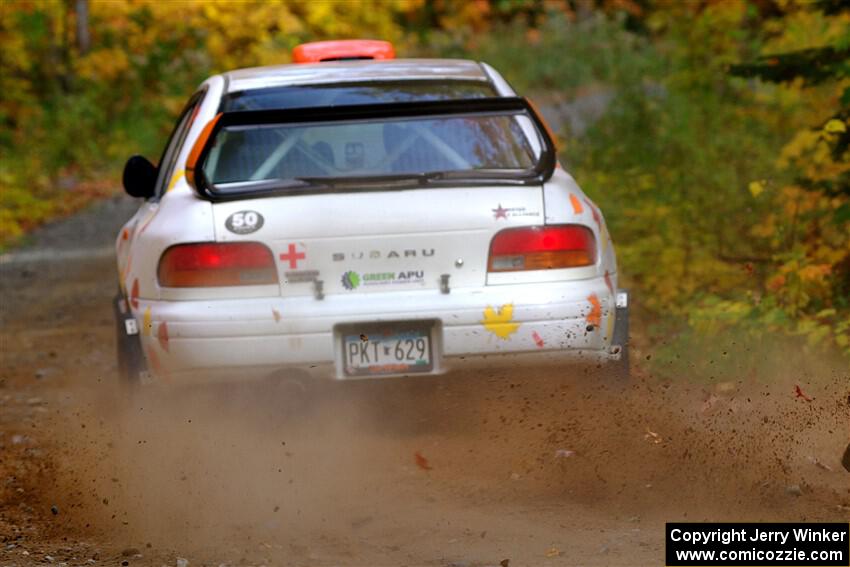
{"x":244,"y":222}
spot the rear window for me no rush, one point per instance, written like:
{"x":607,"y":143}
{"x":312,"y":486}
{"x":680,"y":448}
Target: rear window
{"x":403,"y":146}
{"x":379,"y":146}
{"x":340,"y":94}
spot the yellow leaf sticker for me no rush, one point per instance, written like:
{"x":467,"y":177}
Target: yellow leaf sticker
{"x":756,"y":188}
{"x":835,"y":126}
{"x":500,"y":322}
{"x":146,"y":322}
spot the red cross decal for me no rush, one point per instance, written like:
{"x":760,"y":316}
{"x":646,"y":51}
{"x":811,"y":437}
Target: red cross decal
{"x":292,"y":257}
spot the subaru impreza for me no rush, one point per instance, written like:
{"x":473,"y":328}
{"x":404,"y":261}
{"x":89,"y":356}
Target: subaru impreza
{"x":357,"y":216}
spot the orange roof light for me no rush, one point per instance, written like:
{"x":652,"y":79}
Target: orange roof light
{"x":318,"y":51}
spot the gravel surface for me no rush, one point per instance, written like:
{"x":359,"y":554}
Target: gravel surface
{"x":533,"y":465}
{"x":93,"y":228}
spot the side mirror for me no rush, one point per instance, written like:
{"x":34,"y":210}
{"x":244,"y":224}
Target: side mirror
{"x":139,"y":177}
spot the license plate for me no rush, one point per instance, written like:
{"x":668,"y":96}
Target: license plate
{"x":380,"y":350}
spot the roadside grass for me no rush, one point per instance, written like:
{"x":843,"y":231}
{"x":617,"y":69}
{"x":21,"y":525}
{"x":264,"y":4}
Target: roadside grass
{"x":668,"y":350}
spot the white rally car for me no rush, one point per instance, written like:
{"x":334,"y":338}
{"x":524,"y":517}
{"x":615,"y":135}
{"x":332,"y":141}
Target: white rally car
{"x":359,"y":216}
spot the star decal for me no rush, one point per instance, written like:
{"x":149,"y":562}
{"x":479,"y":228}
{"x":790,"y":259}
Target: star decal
{"x":500,"y":213}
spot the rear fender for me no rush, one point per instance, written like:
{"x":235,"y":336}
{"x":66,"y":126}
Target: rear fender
{"x":566,"y":203}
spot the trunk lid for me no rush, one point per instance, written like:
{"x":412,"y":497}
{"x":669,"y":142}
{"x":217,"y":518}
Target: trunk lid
{"x":380,"y":241}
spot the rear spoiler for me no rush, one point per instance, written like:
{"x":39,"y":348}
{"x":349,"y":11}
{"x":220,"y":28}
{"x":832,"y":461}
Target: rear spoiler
{"x":457,"y":107}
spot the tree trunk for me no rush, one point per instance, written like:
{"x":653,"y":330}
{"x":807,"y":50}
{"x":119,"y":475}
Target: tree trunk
{"x":83,"y":38}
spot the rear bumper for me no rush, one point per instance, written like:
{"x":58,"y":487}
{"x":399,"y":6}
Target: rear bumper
{"x":575,"y":320}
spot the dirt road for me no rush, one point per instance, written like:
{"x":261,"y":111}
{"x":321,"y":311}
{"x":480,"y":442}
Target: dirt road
{"x":535,"y":465}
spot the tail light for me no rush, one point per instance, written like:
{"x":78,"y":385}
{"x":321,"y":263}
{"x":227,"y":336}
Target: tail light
{"x":211,"y":264}
{"x":542,"y":248}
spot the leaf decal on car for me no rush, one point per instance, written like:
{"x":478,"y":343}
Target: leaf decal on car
{"x":595,"y":315}
{"x":500,"y":321}
{"x":146,"y":322}
{"x":162,"y":335}
{"x":577,"y":208}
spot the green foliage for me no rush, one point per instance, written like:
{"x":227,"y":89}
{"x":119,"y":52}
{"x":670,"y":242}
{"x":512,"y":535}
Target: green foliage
{"x":71,"y":116}
{"x":723,"y":193}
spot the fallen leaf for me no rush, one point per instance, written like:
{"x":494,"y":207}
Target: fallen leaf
{"x":421,"y":461}
{"x":652,"y":436}
{"x":800,"y":394}
{"x":819,"y":464}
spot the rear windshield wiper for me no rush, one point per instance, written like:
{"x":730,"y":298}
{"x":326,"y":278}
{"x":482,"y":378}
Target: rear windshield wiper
{"x":263,"y":185}
{"x":494,"y":174}
{"x":296,"y":183}
{"x":364,"y":179}
{"x":420,"y":178}
{"x":404,"y":179}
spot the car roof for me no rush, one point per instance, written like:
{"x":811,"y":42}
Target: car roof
{"x":354,"y":71}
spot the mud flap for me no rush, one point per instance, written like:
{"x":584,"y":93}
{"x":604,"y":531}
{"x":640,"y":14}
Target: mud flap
{"x":621,"y":320}
{"x":132,"y":366}
{"x":620,"y":338}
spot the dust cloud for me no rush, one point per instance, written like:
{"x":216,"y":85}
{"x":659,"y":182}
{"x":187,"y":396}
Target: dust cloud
{"x":516,"y":461}
{"x":535,"y":464}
